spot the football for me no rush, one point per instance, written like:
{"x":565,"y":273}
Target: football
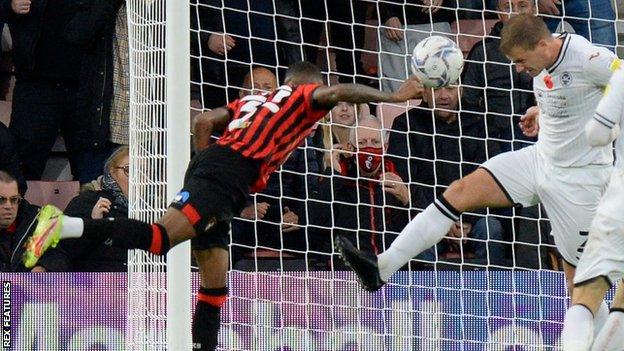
{"x":437,"y":61}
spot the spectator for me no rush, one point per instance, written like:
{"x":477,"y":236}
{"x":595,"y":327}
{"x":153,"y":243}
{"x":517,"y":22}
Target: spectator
{"x":106,"y":197}
{"x":93,"y":28}
{"x":259,"y":80}
{"x":398,"y":38}
{"x":593,"y":19}
{"x":343,"y":21}
{"x":47,"y":76}
{"x":17,"y":221}
{"x":7,"y":82}
{"x":276,"y":219}
{"x":431,"y":163}
{"x":9,"y":161}
{"x":224,"y":53}
{"x":491,"y":83}
{"x":120,"y":104}
{"x":365,"y":200}
{"x":335,"y":133}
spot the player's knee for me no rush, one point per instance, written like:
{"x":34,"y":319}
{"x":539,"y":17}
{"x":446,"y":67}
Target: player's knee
{"x":213,"y":266}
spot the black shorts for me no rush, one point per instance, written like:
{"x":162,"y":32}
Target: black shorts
{"x":216,"y":187}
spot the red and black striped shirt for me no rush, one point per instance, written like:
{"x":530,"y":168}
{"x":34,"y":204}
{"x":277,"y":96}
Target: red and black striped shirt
{"x":269,"y":127}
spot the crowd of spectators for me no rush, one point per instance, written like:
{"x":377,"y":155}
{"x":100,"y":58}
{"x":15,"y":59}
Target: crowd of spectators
{"x":64,"y":69}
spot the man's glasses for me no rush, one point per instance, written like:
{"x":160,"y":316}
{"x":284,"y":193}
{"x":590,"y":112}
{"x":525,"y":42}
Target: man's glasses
{"x":126,"y":170}
{"x":13,"y":200}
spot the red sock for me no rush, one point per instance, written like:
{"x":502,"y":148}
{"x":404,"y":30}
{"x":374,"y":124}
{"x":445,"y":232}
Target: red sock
{"x":160,"y":240}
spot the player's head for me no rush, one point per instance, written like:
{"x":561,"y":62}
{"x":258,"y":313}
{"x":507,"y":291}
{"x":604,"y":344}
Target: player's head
{"x":9,"y":199}
{"x":444,"y":101}
{"x":528,"y":43}
{"x":370,"y":141}
{"x":118,"y":166}
{"x":257,"y":81}
{"x":303,"y":72}
{"x":509,"y":8}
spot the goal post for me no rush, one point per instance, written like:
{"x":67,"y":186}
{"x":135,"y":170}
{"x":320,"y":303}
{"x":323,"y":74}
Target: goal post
{"x":177,"y":68}
{"x":159,"y":295}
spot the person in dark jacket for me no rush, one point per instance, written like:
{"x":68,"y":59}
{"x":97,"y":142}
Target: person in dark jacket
{"x":365,"y":200}
{"x":491,"y":83}
{"x":433,"y":145}
{"x":398,"y":37}
{"x":276,"y":217}
{"x":105,"y":197}
{"x":17,"y":221}
{"x":9,"y":160}
{"x":47,"y":62}
{"x":93,"y":28}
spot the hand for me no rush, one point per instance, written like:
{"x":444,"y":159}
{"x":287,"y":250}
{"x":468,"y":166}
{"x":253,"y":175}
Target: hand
{"x":394,"y":31}
{"x":412,"y":88}
{"x":289,"y":218}
{"x":460,"y":230}
{"x":393,"y":184}
{"x":38,"y":269}
{"x":338,"y":152}
{"x":20,"y":7}
{"x":529,"y":122}
{"x":548,"y":7}
{"x":102,"y":207}
{"x":202,"y":131}
{"x":433,"y":6}
{"x":255,"y":211}
{"x":220,"y":43}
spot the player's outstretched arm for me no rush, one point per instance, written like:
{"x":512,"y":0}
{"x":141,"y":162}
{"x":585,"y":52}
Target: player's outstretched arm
{"x":600,"y":134}
{"x":207,"y":123}
{"x":357,"y":93}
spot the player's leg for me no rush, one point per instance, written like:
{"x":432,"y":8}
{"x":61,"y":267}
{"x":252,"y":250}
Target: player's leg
{"x":210,"y":251}
{"x":478,"y":189}
{"x":611,"y":337}
{"x":601,"y":263}
{"x":496,"y":184}
{"x":578,"y":329}
{"x":53,"y":225}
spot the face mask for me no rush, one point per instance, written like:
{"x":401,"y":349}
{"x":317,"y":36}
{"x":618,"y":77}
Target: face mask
{"x":369,"y":158}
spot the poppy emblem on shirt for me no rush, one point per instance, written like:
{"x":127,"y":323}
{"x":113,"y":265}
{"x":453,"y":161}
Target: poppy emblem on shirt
{"x":548,"y":81}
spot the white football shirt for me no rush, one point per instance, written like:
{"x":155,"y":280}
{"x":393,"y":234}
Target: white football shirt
{"x":568,"y":93}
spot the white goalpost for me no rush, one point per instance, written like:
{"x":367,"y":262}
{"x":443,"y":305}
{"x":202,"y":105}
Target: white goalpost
{"x":284,"y":291}
{"x":159,"y":293}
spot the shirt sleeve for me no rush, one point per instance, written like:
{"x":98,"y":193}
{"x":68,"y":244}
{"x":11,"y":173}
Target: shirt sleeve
{"x":609,"y":113}
{"x":600,"y":65}
{"x":314,"y":112}
{"x":232,"y":107}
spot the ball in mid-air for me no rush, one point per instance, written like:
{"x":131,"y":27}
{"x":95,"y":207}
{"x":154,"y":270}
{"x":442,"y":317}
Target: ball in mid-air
{"x":437,"y":61}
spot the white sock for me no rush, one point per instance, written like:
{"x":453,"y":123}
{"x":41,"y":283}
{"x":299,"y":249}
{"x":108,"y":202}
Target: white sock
{"x":611,"y":337}
{"x":578,"y":329}
{"x":424,"y":231}
{"x":72,"y":227}
{"x":601,"y":318}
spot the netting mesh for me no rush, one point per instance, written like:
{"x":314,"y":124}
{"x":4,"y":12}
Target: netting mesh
{"x":291,"y":225}
{"x":147,"y":198}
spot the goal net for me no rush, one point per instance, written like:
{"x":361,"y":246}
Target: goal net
{"x":494,"y":284}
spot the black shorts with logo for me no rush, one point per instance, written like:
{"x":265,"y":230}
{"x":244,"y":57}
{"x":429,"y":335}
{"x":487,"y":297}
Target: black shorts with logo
{"x":216,"y":187}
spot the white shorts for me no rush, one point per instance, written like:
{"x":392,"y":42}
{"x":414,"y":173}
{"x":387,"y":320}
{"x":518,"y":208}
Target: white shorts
{"x":604,"y":253}
{"x":570,"y":195}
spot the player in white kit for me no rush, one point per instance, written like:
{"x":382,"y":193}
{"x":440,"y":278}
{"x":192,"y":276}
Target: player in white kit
{"x":602,"y":262}
{"x":562,"y":171}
